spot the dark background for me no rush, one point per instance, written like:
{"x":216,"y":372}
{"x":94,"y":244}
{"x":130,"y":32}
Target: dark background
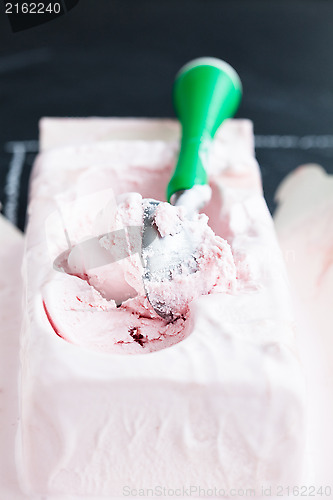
{"x":119,"y":58}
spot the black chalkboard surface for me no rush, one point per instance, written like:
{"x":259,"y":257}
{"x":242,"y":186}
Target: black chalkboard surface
{"x":119,"y":58}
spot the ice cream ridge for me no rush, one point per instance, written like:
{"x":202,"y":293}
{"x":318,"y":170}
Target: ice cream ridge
{"x":158,"y":344}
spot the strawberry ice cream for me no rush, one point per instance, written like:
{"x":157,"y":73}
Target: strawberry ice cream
{"x":305,"y":229}
{"x":198,"y":262}
{"x":11,"y":250}
{"x":110,"y":263}
{"x":213,"y":398}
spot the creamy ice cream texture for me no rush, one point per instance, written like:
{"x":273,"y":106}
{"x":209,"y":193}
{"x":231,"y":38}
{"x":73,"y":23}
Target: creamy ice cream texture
{"x":11,"y":250}
{"x":201,"y":262}
{"x":304,"y":224}
{"x":110,"y":264}
{"x":223,"y":403}
{"x":206,"y":92}
{"x":305,"y":195}
{"x":292,"y":206}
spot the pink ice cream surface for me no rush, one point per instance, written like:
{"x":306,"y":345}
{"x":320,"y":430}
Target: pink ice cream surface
{"x":222,"y":406}
{"x":304,"y":224}
{"x":215,"y":269}
{"x":169,"y":219}
{"x":111,"y":266}
{"x":83,"y":311}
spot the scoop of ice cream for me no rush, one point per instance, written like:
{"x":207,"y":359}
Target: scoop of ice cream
{"x":106,"y":284}
{"x":204,"y":264}
{"x":169,"y":220}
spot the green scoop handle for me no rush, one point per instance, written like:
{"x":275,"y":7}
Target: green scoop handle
{"x":206,"y":92}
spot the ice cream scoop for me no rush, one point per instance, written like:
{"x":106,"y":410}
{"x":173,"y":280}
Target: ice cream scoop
{"x":206,"y":92}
